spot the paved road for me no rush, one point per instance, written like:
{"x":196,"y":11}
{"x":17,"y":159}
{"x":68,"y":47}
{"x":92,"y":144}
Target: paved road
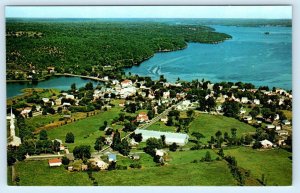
{"x":144,"y":126}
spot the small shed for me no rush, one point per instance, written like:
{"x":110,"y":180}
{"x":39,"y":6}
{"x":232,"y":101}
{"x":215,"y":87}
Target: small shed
{"x":54,"y":162}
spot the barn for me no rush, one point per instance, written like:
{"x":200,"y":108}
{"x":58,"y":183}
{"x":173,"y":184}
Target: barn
{"x":178,"y":138}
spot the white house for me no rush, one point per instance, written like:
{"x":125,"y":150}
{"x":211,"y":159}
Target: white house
{"x":45,"y":100}
{"x":270,"y":126}
{"x":256,"y":101}
{"x":244,"y":100}
{"x":184,"y":105}
{"x":286,"y":122}
{"x":70,"y":96}
{"x":25,"y":111}
{"x":164,"y":119}
{"x":242,"y":111}
{"x":166,"y":94}
{"x":278,"y":127}
{"x":248,"y":118}
{"x":276,"y":117}
{"x":160,"y":152}
{"x":266,"y":144}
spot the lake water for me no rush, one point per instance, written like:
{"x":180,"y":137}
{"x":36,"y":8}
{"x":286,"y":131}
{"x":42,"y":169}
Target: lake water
{"x":250,"y":56}
{"x":60,"y":82}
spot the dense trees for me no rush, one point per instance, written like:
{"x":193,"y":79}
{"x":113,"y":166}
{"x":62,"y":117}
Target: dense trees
{"x":98,"y":44}
{"x":82,"y":152}
{"x":99,"y":143}
{"x":116,"y":141}
{"x":152,"y":144}
{"x":231,"y":108}
{"x":43,"y":135}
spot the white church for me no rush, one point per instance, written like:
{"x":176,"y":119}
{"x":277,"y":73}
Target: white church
{"x":13,"y":140}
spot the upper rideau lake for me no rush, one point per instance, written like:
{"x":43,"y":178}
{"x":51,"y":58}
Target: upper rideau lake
{"x":250,"y":56}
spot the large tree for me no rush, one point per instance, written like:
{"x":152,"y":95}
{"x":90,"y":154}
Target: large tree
{"x":152,"y":144}
{"x":231,"y":108}
{"x":70,"y":138}
{"x":99,"y":143}
{"x":43,"y":135}
{"x":82,"y":152}
{"x":116,"y":141}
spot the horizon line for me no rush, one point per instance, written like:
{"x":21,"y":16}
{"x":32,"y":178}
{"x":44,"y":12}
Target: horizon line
{"x":142,"y":18}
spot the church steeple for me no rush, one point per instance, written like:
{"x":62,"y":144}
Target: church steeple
{"x":12,"y":124}
{"x":14,"y":140}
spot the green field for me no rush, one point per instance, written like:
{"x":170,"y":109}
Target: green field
{"x":85,"y":131}
{"x":39,"y":121}
{"x":192,"y":174}
{"x":210,"y":174}
{"x":274,"y":164}
{"x":38,"y":173}
{"x":160,"y":126}
{"x":208,"y":125}
{"x":186,"y":157}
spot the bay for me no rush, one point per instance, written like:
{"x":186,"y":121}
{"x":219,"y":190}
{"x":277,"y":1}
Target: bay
{"x":57,"y":82}
{"x":250,"y":56}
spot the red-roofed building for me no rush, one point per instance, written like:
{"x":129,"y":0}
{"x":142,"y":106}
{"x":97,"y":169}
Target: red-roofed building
{"x":142,"y":117}
{"x":126,"y":83}
{"x":54,"y":162}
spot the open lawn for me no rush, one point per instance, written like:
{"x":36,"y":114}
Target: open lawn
{"x":210,"y":174}
{"x":145,"y":160}
{"x":185,"y":157}
{"x":208,"y":125}
{"x":38,"y":173}
{"x":178,"y":171}
{"x":160,"y":126}
{"x":42,"y":120}
{"x":274,"y":164}
{"x":86,"y":130}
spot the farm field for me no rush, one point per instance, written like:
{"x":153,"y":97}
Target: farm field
{"x":160,"y":126}
{"x":208,"y":125}
{"x":33,"y":173}
{"x":192,"y":174}
{"x":85,"y":131}
{"x":274,"y":164}
{"x":215,"y":173}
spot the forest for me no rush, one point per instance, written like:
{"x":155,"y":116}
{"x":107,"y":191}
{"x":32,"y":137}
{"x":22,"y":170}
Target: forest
{"x":86,"y":46}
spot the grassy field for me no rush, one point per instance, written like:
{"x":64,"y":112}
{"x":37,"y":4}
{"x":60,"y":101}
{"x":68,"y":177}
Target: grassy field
{"x":85,"y":131}
{"x":215,"y":173}
{"x":42,"y":120}
{"x":178,"y":171}
{"x":208,"y":125}
{"x":160,"y":126}
{"x":274,"y":164}
{"x":185,"y":157}
{"x":38,"y":173}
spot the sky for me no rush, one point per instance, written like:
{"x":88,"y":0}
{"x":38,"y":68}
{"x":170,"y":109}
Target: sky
{"x":268,"y":12}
